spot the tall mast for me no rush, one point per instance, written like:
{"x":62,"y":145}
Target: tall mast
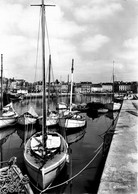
{"x":1,"y":81}
{"x":44,"y":132}
{"x":72,"y":69}
{"x":113,"y":83}
{"x":49,"y":79}
{"x":43,"y":65}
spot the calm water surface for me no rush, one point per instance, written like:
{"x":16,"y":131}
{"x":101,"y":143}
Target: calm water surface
{"x":84,"y":144}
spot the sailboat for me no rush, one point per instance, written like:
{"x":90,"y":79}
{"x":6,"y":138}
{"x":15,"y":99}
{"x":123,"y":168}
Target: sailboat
{"x":113,"y":106}
{"x":45,"y":152}
{"x":28,"y":118}
{"x":52,"y":116}
{"x":69,"y":118}
{"x":8,"y":115}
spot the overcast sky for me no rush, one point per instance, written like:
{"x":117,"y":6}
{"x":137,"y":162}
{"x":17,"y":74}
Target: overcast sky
{"x":93,"y":32}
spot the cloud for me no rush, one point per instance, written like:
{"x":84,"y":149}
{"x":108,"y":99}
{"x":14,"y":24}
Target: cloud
{"x":131,"y":43}
{"x":96,"y":12}
{"x":94,"y":33}
{"x":92,"y":44}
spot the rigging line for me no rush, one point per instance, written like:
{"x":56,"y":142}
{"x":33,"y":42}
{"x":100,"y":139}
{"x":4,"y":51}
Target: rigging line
{"x":47,"y":35}
{"x":52,"y":72}
{"x":66,"y":182}
{"x":4,"y":162}
{"x":108,"y":128}
{"x":38,"y":36}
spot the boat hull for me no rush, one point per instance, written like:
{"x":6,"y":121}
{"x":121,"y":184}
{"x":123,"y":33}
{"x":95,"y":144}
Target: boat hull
{"x":7,"y":121}
{"x":45,"y":174}
{"x":62,"y":106}
{"x":44,"y":178}
{"x":23,"y":120}
{"x":51,"y":121}
{"x":113,"y":106}
{"x":71,"y":123}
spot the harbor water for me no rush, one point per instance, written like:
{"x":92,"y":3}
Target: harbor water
{"x":82,"y":173}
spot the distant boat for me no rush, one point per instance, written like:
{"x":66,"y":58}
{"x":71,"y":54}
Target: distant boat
{"x":62,"y":106}
{"x":28,"y":118}
{"x":129,"y":97}
{"x":45,"y":152}
{"x":52,"y":116}
{"x":72,"y":119}
{"x":113,"y":106}
{"x":8,"y":115}
{"x":52,"y":119}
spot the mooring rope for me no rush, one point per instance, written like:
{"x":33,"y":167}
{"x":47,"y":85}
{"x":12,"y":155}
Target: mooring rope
{"x":73,"y":177}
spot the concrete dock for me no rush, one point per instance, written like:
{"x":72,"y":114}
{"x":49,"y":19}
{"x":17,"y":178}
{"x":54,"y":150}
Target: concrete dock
{"x":120,"y":174}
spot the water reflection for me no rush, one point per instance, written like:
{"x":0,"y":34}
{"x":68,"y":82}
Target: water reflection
{"x":83,"y":144}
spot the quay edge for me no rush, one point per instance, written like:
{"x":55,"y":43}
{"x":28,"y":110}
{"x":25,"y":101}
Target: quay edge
{"x":120,"y":173}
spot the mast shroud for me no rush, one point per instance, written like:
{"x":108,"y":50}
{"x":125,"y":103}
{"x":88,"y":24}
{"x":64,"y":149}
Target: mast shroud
{"x":1,"y":81}
{"x":72,"y":69}
{"x":44,"y":133}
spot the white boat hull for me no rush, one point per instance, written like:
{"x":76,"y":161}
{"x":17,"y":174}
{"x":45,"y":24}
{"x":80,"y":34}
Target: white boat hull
{"x":61,"y":106}
{"x":72,"y":123}
{"x":7,"y":121}
{"x":113,"y":106}
{"x":44,"y":175}
{"x":72,"y":120}
{"x":50,"y":121}
{"x":8,"y":117}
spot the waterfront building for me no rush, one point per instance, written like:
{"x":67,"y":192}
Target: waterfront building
{"x":134,"y":87}
{"x":107,"y":87}
{"x":86,"y":87}
{"x":96,"y":88}
{"x":124,"y":87}
{"x":77,"y":88}
{"x":64,"y":87}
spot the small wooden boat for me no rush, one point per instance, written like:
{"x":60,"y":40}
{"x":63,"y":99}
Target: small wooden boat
{"x":72,"y":119}
{"x":44,"y":165}
{"x":62,"y":106}
{"x":8,"y":117}
{"x":52,"y":119}
{"x":45,"y":152}
{"x":12,"y":179}
{"x":113,"y":106}
{"x":102,"y":110}
{"x":28,"y":118}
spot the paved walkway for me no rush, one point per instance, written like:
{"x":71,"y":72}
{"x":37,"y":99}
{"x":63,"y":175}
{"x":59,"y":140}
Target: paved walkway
{"x":120,"y":175}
